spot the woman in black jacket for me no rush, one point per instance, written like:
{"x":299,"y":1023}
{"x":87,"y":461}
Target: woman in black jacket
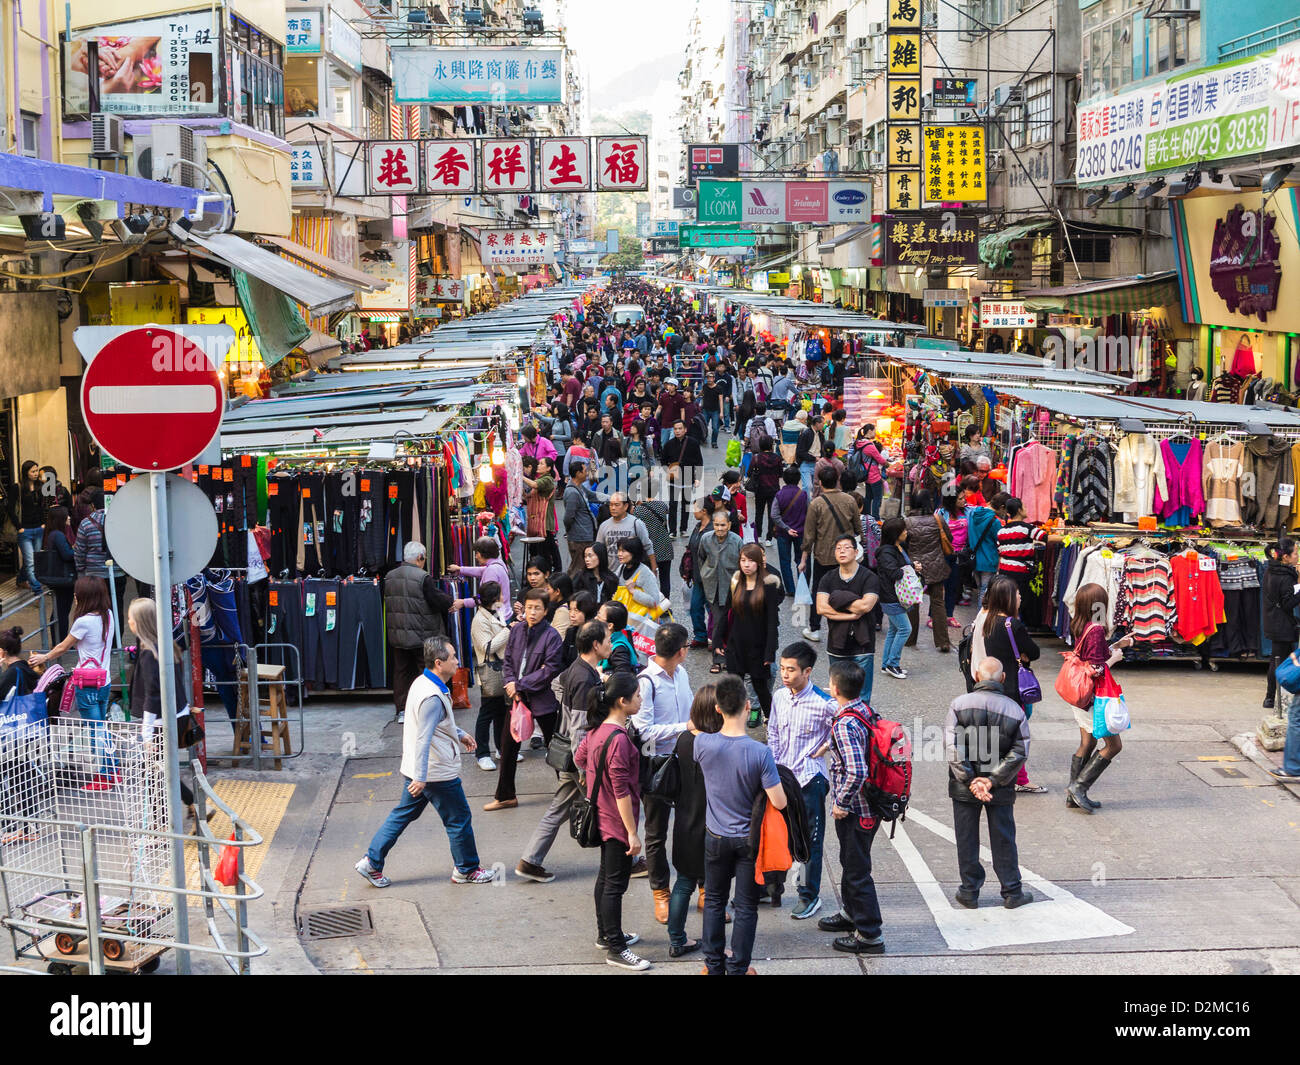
{"x":1000,"y":605}
{"x":1281,"y":592}
{"x":596,"y":577}
{"x":747,"y":628}
{"x":890,"y":560}
{"x":688,"y":822}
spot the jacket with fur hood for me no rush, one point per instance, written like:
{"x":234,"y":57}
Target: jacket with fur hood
{"x":750,"y":639}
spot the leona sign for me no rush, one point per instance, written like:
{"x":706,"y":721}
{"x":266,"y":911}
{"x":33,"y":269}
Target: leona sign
{"x":151,"y":396}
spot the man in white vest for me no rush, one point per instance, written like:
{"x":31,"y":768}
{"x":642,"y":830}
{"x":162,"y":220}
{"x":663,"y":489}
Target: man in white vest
{"x":431,"y":752}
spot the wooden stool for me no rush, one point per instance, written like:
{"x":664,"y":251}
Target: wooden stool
{"x":273,"y":710}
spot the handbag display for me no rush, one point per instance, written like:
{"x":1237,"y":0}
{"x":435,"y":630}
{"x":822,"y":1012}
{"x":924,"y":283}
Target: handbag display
{"x":1030,"y":690}
{"x":1109,"y":711}
{"x":584,"y":819}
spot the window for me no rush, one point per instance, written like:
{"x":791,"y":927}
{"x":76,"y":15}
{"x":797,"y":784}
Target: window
{"x":1038,"y":95}
{"x":257,"y":78}
{"x":301,"y":87}
{"x":31,"y":137}
{"x":1120,"y":46}
{"x":1090,"y":249}
{"x":374,"y":102}
{"x":341,"y":92}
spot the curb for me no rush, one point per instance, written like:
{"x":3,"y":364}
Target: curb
{"x":1245,"y":743}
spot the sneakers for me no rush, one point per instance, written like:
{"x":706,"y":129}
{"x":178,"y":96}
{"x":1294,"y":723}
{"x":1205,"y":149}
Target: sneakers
{"x":1031,"y":789}
{"x":519,"y":757}
{"x":476,"y":876}
{"x":529,"y":871}
{"x":629,"y":939}
{"x":855,"y":944}
{"x":837,"y":922}
{"x":625,"y":959}
{"x":536,"y":743}
{"x":487,"y":765}
{"x":372,"y":876}
{"x":808,"y":634}
{"x":640,"y":869}
{"x":401,"y":717}
{"x":895,"y":672}
{"x":806,"y":909}
{"x":1283,"y":777}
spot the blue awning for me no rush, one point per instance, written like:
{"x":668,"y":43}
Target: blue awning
{"x":60,"y":179}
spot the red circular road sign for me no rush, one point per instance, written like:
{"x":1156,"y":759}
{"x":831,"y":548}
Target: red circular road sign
{"x":152,"y":399}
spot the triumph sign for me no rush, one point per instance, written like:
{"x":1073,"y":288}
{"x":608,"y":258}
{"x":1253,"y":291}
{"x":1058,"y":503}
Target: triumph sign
{"x":780,"y":202}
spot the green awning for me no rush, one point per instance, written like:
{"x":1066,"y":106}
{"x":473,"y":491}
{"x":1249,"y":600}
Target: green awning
{"x":273,"y":317}
{"x":1115,"y":295}
{"x":995,"y":249}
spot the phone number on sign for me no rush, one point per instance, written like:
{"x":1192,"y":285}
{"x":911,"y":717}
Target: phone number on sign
{"x":1110,"y":158}
{"x":1221,"y":138}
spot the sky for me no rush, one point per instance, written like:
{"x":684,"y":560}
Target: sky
{"x":630,"y":49}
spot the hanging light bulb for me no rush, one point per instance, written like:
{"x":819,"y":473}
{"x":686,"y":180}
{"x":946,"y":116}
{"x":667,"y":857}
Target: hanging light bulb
{"x":485,"y":472}
{"x":498,"y":456}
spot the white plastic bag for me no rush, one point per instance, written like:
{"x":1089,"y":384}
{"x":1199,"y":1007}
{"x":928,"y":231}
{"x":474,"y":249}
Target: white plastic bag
{"x":802,"y":592}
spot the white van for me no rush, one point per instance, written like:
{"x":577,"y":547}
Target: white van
{"x":627,"y":314}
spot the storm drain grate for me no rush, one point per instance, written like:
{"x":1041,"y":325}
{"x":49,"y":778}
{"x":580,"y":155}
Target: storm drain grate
{"x":339,"y":922}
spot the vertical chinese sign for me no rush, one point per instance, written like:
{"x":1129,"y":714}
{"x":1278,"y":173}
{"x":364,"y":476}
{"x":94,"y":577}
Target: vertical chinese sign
{"x":903,"y":106}
{"x":955,"y":164}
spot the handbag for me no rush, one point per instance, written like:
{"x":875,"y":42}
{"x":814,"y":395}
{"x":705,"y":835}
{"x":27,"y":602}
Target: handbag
{"x":95,"y":676}
{"x":54,"y":570}
{"x":1030,"y":690}
{"x":559,"y":754}
{"x":460,"y":689}
{"x":584,"y":820}
{"x":908,"y":588}
{"x":188,"y":732}
{"x":18,"y":710}
{"x":1076,"y":684}
{"x":666,"y":783}
{"x":1109,"y":711}
{"x":1288,"y":673}
{"x":521,"y":721}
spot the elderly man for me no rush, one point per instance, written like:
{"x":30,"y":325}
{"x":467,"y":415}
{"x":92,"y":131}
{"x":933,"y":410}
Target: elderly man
{"x":623,"y":525}
{"x":986,"y":739}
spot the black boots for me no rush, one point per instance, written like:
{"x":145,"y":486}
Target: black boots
{"x":1078,"y":788}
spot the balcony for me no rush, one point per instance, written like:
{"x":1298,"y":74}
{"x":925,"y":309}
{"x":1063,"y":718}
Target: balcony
{"x":1260,"y":41}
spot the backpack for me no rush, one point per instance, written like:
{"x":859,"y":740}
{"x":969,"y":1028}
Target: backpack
{"x":889,"y":769}
{"x":964,"y":655}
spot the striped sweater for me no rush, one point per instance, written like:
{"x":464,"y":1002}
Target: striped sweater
{"x":1148,"y":607}
{"x":1016,"y":542}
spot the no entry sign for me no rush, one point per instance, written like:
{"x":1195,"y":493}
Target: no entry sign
{"x":151,"y":396}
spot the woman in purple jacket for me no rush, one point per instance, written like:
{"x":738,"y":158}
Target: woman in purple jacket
{"x":789,"y":512}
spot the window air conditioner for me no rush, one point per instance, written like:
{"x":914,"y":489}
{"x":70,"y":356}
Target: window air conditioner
{"x":836,"y":32}
{"x":876,"y":29}
{"x":861,"y":44}
{"x":835,"y":111}
{"x":177,"y":155}
{"x":106,"y":136}
{"x":875,"y":158}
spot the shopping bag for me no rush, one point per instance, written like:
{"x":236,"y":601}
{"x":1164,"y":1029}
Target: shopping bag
{"x":1109,"y":712}
{"x":1288,"y":673}
{"x":733,"y":453}
{"x":227,"y":870}
{"x":521,"y":722}
{"x":802,"y":592}
{"x":908,"y":588}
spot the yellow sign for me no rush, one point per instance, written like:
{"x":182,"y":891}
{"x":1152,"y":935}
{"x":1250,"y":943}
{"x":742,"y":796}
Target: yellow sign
{"x":145,"y":303}
{"x":955,"y":164}
{"x":775,"y":277}
{"x":904,"y":100}
{"x":245,"y":350}
{"x":904,"y":145}
{"x":904,"y":190}
{"x":904,"y":55}
{"x":904,"y":14}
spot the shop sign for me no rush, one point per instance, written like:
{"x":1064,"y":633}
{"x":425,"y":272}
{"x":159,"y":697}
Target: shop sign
{"x":306,"y":171}
{"x":345,"y":42}
{"x":564,"y":164}
{"x":954,"y":92}
{"x":245,"y":350}
{"x":955,"y":164}
{"x":758,"y":282}
{"x":1228,"y":111}
{"x":945,"y":297}
{"x":506,"y":165}
{"x":302,"y":33}
{"x":711,"y":161}
{"x":518,"y":247}
{"x":778,"y":277}
{"x":936,"y":238}
{"x":1244,"y":267}
{"x":776,"y":202}
{"x":662,"y":227}
{"x":156,"y":67}
{"x":685,"y":199}
{"x":621,"y":164}
{"x":144,"y":303}
{"x":662,"y":245}
{"x":1006,"y":314}
{"x":390,"y":266}
{"x":393,"y":167}
{"x":476,"y":74}
{"x":716,"y":237}
{"x":447,"y":289}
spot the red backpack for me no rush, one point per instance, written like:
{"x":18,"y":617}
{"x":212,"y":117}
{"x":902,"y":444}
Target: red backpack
{"x":889,"y":768}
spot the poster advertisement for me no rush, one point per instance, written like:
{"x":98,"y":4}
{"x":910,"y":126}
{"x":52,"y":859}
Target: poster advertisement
{"x":390,"y":265}
{"x":245,"y":351}
{"x":151,"y":67}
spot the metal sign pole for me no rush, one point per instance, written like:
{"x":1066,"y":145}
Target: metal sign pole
{"x":167,"y":693}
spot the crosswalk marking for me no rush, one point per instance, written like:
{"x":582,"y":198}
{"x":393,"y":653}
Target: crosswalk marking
{"x":1056,"y":916}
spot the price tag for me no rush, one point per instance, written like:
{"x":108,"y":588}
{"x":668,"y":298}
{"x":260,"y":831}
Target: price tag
{"x":273,"y":598}
{"x":246,"y":461}
{"x":329,"y":620}
{"x":110,"y":484}
{"x":310,"y":608}
{"x":227,"y":475}
{"x":331,"y":598}
{"x":392,"y":491}
{"x":1205,"y":564}
{"x":203,"y":471}
{"x":273,"y":488}
{"x":1285,"y":493}
{"x":365,"y":484}
{"x":306,"y":493}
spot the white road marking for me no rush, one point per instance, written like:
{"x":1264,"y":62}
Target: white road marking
{"x":152,"y":399}
{"x":1056,"y":915}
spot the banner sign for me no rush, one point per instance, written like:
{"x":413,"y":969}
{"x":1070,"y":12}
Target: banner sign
{"x":712,"y":161}
{"x":661,"y":245}
{"x":1224,"y":112}
{"x":621,"y":164}
{"x":446,"y":289}
{"x":151,"y":67}
{"x":302,"y":33}
{"x":306,"y":170}
{"x":954,"y":92}
{"x":824,"y":202}
{"x":1006,"y":314}
{"x":663,"y":227}
{"x":936,"y":238}
{"x":716,"y":237}
{"x":944,"y":297}
{"x":518,"y":247}
{"x":475,"y":75}
{"x":955,"y":164}
{"x":564,"y":164}
{"x":390,"y":267}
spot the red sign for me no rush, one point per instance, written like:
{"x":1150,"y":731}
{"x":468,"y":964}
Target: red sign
{"x":152,"y":399}
{"x":448,"y":166}
{"x":805,"y":201}
{"x":621,"y":164}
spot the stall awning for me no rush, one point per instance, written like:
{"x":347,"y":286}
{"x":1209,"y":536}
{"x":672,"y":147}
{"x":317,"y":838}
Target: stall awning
{"x":319,"y":348}
{"x":852,"y":233}
{"x":320,"y":295}
{"x":1115,"y":295}
{"x":333,"y":268}
{"x":382,"y":316}
{"x":778,"y":260}
{"x":995,"y":249}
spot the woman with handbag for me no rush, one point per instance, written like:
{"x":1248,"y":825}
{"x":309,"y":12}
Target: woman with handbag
{"x":999,"y":633}
{"x":747,"y":629}
{"x":1281,"y":595}
{"x":891,"y":564}
{"x":59,"y":570}
{"x":611,"y":778}
{"x":1088,"y":635}
{"x":92,"y":633}
{"x":688,"y":821}
{"x":929,"y":548}
{"x":639,"y":589}
{"x":952,"y":512}
{"x":488,"y":634}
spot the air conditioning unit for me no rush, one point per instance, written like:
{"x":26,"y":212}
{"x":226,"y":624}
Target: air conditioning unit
{"x":1008,"y":95}
{"x":927,"y":101}
{"x":964,"y":115}
{"x":836,"y":32}
{"x":861,"y":44}
{"x":107,"y":137}
{"x":821,"y":49}
{"x":835,"y":111}
{"x":175,"y":154}
{"x":876,"y":29}
{"x":834,"y":134}
{"x":880,"y":52}
{"x":875,"y":158}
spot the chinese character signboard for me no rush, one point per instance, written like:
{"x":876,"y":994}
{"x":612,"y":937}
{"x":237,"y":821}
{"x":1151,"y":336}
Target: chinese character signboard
{"x":306,"y":171}
{"x":445,"y":289}
{"x":393,"y":167}
{"x":944,"y":297}
{"x":954,"y":92}
{"x":345,"y":42}
{"x":903,"y":105}
{"x":448,"y":166}
{"x":474,"y":75}
{"x":1006,"y":314}
{"x":153,"y":67}
{"x":955,"y":164}
{"x":663,"y":227}
{"x":936,"y":238}
{"x":716,"y":237}
{"x":621,"y":164}
{"x":564,"y":164}
{"x":518,"y":247}
{"x":302,"y":33}
{"x":506,"y":165}
{"x":712,"y":161}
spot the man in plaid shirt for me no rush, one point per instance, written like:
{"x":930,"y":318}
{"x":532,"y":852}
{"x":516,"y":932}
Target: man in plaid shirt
{"x":854,"y":824}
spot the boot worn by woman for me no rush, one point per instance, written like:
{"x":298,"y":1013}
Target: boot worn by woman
{"x":1078,"y":791}
{"x":1076,"y":765}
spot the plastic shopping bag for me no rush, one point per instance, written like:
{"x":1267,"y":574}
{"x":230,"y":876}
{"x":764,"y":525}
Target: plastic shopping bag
{"x":1109,"y":712}
{"x":227,"y":870}
{"x":802,"y":592}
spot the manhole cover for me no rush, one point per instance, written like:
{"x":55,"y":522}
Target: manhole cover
{"x":1228,"y":773}
{"x":337,"y":922}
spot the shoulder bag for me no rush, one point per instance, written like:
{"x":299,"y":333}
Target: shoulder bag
{"x":1076,"y":684}
{"x":908,"y":588}
{"x":95,"y":676}
{"x":1030,"y":690}
{"x":584,"y":820}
